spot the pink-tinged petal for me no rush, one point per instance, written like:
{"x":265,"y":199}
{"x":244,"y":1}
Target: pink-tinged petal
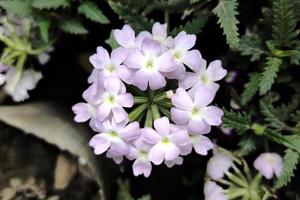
{"x":214,"y":87}
{"x":134,"y":59}
{"x":202,"y":145}
{"x":218,"y":165}
{"x":96,"y":125}
{"x":112,"y":85}
{"x":179,"y":116}
{"x":196,"y":126}
{"x":141,"y":167}
{"x":103,"y":112}
{"x":132,"y":153}
{"x":151,"y":47}
{"x":193,"y":60}
{"x":82,"y":111}
{"x":171,"y":163}
{"x":100,"y":59}
{"x":178,"y":73}
{"x":125,"y":100}
{"x":107,"y":125}
{"x":117,"y":158}
{"x":93,"y":76}
{"x":159,"y":30}
{"x":130,"y":132}
{"x":185,"y":41}
{"x":90,"y":93}
{"x":269,"y":164}
{"x":157,"y":81}
{"x":206,"y":130}
{"x":215,"y":70}
{"x":213,"y":115}
{"x":119,"y":114}
{"x":119,"y":55}
{"x":203,"y":96}
{"x":100,"y":143}
{"x":172,"y":152}
{"x":162,"y":126}
{"x":150,"y":136}
{"x":186,"y":150}
{"x":124,"y":74}
{"x":180,"y":138}
{"x":182,"y":100}
{"x":157,"y":154}
{"x":125,"y":37}
{"x":190,"y":80}
{"x":140,"y":79}
{"x":141,"y":36}
{"x":166,"y":62}
{"x":119,"y":147}
{"x":212,"y":191}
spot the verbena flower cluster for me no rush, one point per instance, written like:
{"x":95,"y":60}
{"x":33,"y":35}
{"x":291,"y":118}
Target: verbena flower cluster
{"x":177,"y":114}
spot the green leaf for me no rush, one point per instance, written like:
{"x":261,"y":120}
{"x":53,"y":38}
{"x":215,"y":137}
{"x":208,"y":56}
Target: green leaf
{"x":226,"y":11}
{"x":247,"y":145}
{"x":149,"y":119}
{"x":111,"y":41}
{"x":194,"y":26}
{"x":91,"y":11}
{"x":284,"y":23}
{"x":155,"y":111}
{"x":239,"y":121}
{"x":73,"y":27}
{"x":290,"y":161}
{"x":20,"y":8}
{"x":251,"y":46}
{"x":44,"y":25}
{"x":250,"y":88}
{"x":50,"y":4}
{"x":268,"y":112}
{"x":133,"y":115}
{"x":131,"y":16}
{"x":269,"y":74}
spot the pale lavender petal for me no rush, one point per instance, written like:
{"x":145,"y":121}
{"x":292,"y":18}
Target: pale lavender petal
{"x":112,"y":85}
{"x":130,"y":132}
{"x":213,"y":115}
{"x":119,"y":55}
{"x":150,"y":136}
{"x":166,"y":62}
{"x":124,"y":74}
{"x":100,"y":59}
{"x":119,"y":147}
{"x":185,"y":41}
{"x":103,"y":112}
{"x":141,"y":167}
{"x":125,"y":100}
{"x":196,"y":126}
{"x":141,"y":36}
{"x":218,"y":165}
{"x":140,"y":79}
{"x":215,"y":70}
{"x":203,"y":96}
{"x":134,"y":59}
{"x":162,"y":126}
{"x":186,"y":150}
{"x":172,"y":152}
{"x":156,"y":81}
{"x":151,"y":47}
{"x":125,"y":37}
{"x":179,"y":116}
{"x":178,"y":73}
{"x":82,"y":111}
{"x":159,"y":30}
{"x":180,"y":138}
{"x":269,"y":164}
{"x":100,"y":143}
{"x":214,"y":87}
{"x":182,"y":100}
{"x":157,"y":154}
{"x":193,"y":60}
{"x":171,"y":163}
{"x":189,"y":81}
{"x":119,"y":114}
{"x":117,"y":158}
{"x":202,"y":145}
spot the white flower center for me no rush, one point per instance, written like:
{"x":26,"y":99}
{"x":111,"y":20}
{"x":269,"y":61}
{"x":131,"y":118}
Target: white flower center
{"x":204,"y":79}
{"x":149,"y":65}
{"x":196,"y":112}
{"x":110,"y":69}
{"x":142,"y":154}
{"x":178,"y":55}
{"x":110,"y":99}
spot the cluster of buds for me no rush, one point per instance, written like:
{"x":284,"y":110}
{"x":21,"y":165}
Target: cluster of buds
{"x":17,"y":35}
{"x":224,"y":169}
{"x":149,"y":99}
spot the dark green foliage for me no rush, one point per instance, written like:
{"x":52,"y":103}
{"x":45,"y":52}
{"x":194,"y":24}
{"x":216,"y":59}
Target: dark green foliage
{"x":246,"y":146}
{"x":193,"y":27}
{"x":239,"y":121}
{"x":53,"y":4}
{"x":92,"y":12}
{"x":20,"y":8}
{"x":73,"y":27}
{"x":268,"y":111}
{"x":250,"y":88}
{"x":251,"y":46}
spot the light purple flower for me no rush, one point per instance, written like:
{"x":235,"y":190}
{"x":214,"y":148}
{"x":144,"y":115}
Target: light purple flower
{"x":110,"y":65}
{"x":150,"y":62}
{"x":18,"y":83}
{"x":200,"y":143}
{"x":125,"y":37}
{"x":218,"y":165}
{"x":166,"y":142}
{"x":182,"y":54}
{"x":159,"y":33}
{"x":115,"y":136}
{"x":194,"y":111}
{"x":269,"y":164}
{"x":204,"y":77}
{"x":212,"y":191}
{"x":111,"y":100}
{"x":139,"y":151}
{"x":116,"y":156}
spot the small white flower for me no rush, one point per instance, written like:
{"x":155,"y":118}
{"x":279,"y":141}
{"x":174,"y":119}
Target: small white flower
{"x":269,"y":164}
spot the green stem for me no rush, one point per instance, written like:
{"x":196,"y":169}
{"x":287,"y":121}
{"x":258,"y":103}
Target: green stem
{"x":155,"y":111}
{"x":139,"y":100}
{"x":149,"y":119}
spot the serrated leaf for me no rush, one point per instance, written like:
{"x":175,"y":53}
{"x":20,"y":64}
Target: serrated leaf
{"x":73,"y":27}
{"x":239,"y":121}
{"x":20,"y":8}
{"x":247,"y":145}
{"x":44,"y":25}
{"x":91,"y":11}
{"x":269,"y":74}
{"x":251,"y":46}
{"x":290,"y":161}
{"x":268,"y":112}
{"x":250,"y":88}
{"x":226,"y":11}
{"x":130,"y":16}
{"x":50,"y":4}
{"x":194,"y":26}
